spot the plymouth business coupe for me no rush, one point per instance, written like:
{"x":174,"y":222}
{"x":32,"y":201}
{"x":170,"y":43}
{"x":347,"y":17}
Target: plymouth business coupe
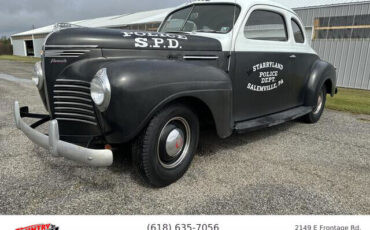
{"x":236,"y":66}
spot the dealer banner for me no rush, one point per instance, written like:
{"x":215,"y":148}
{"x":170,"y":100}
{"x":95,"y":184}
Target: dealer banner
{"x":184,"y":222}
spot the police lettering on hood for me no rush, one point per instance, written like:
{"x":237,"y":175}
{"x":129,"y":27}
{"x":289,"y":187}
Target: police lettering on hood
{"x":156,"y":40}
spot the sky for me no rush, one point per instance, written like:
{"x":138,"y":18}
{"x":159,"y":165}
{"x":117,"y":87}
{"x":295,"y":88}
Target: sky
{"x":22,"y":15}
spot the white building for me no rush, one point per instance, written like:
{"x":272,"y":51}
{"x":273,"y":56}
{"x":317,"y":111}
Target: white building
{"x":30,"y":43}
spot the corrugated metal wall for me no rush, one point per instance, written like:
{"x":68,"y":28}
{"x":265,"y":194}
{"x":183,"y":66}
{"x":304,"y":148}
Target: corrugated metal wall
{"x":351,"y":57}
{"x":19,"y":48}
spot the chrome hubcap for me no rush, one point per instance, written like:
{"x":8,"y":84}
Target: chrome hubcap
{"x":174,"y":142}
{"x":319,"y":104}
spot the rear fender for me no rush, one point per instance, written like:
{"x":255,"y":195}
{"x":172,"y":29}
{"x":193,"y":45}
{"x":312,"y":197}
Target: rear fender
{"x":321,"y":73}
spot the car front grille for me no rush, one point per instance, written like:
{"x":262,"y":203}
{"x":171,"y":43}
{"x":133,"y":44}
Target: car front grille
{"x":72,"y":101}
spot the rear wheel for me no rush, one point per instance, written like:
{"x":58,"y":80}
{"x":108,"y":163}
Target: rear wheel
{"x":315,"y":115}
{"x":166,"y":148}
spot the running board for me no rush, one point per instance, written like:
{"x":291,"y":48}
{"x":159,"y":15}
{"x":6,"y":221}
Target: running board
{"x":272,"y":120}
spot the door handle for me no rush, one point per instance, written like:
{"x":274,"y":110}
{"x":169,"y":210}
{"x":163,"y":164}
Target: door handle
{"x":293,"y":56}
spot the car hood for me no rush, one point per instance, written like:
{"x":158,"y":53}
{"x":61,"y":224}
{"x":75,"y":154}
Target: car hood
{"x":125,"y":39}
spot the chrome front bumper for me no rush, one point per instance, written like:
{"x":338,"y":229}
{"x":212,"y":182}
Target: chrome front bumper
{"x":93,"y":157}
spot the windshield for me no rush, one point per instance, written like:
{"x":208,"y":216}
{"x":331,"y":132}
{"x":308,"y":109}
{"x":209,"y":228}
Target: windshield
{"x":211,"y":18}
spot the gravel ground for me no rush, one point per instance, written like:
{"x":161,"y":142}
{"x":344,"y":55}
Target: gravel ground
{"x":293,"y":168}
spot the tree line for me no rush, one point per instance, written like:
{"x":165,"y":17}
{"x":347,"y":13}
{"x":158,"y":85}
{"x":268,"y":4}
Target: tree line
{"x":5,"y":46}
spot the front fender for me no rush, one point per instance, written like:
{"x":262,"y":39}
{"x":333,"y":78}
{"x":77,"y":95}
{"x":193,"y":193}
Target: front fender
{"x":321,"y":72}
{"x":141,"y":87}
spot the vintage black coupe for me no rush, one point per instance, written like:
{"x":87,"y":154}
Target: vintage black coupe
{"x":236,"y":65}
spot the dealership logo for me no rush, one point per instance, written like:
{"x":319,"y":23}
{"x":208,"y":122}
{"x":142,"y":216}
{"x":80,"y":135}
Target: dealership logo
{"x":40,"y":227}
{"x":58,"y":61}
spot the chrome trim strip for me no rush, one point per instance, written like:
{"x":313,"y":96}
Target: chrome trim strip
{"x":67,"y":51}
{"x":200,"y":57}
{"x":77,"y":120}
{"x":61,"y":56}
{"x":70,"y":91}
{"x":75,"y":115}
{"x":72,"y":80}
{"x":72,"y":86}
{"x":92,"y":157}
{"x":71,"y":46}
{"x":71,"y":97}
{"x":72,"y":103}
{"x":73,"y":108}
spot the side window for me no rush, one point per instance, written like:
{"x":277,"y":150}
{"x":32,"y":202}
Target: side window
{"x":266,"y":25}
{"x":297,"y":31}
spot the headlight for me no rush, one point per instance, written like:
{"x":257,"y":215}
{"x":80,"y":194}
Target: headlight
{"x":100,"y":90}
{"x":38,"y":77}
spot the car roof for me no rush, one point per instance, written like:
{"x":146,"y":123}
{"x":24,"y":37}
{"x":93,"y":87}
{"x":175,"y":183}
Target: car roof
{"x":245,"y":4}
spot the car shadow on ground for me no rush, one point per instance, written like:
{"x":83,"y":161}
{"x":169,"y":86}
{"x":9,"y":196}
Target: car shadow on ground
{"x":209,"y":144}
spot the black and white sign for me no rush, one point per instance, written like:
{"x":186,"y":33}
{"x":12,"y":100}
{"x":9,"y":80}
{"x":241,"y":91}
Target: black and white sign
{"x":267,"y":75}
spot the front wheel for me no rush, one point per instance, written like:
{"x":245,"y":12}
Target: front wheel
{"x":315,"y":115}
{"x":165,"y":149}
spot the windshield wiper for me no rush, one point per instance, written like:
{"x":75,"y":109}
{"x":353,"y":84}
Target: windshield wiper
{"x":178,"y":32}
{"x":208,"y":31}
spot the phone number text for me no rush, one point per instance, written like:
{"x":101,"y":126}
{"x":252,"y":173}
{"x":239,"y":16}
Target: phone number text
{"x":183,"y":227}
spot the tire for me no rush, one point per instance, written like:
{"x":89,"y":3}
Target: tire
{"x":315,"y":115}
{"x":165,"y":149}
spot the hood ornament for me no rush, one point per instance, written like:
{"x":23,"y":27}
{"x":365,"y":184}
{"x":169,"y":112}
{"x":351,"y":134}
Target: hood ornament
{"x":64,"y":25}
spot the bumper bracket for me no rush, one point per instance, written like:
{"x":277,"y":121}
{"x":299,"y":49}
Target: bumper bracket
{"x":51,"y":142}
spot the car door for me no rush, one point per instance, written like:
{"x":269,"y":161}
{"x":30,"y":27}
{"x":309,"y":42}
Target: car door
{"x":262,"y":64}
{"x":302,"y":58}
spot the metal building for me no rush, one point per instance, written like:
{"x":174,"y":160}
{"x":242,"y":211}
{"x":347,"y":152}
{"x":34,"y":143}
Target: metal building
{"x":340,"y":34}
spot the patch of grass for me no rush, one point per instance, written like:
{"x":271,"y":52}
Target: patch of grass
{"x":350,"y":100}
{"x":19,"y":58}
